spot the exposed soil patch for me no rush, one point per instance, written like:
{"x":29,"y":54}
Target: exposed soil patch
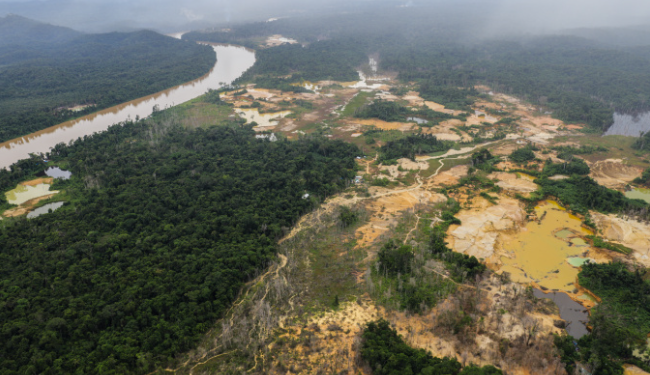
{"x":628,"y":232}
{"x":385,"y":212}
{"x":481,"y":227}
{"x":513,"y":182}
{"x":613,"y":174}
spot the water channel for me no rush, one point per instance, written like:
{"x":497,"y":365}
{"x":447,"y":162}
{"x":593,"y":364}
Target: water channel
{"x":232,"y":62}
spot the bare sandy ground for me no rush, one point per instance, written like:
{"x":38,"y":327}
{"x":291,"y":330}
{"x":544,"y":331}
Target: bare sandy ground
{"x":612,"y":173}
{"x":510,"y":182}
{"x":481,"y":227}
{"x":628,"y":232}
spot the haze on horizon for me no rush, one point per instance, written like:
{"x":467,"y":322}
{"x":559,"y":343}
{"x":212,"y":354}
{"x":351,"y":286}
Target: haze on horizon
{"x":501,"y":16}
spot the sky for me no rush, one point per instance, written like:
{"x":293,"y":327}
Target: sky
{"x":174,"y":15}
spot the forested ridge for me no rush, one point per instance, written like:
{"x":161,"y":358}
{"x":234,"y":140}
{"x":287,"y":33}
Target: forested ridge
{"x":164,"y":226}
{"x":39,"y":81}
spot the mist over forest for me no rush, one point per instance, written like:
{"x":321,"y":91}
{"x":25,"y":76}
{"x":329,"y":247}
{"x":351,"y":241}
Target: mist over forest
{"x":498,"y":17}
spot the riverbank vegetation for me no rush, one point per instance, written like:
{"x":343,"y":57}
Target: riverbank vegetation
{"x":40,"y":84}
{"x":164,"y":226}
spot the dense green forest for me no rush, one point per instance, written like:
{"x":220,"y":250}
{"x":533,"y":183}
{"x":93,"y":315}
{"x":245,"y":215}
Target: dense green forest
{"x":412,"y":145}
{"x":388,"y":354}
{"x":441,"y":48}
{"x":522,"y":155}
{"x":39,"y":81}
{"x":620,"y":323}
{"x":582,"y":193}
{"x":325,"y":60}
{"x":164,"y":226}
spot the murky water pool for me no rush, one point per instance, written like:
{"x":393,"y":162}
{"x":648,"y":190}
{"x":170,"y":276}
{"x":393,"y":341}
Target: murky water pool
{"x":643,"y":194}
{"x":571,"y":311}
{"x":56,"y":172}
{"x":44,"y":209}
{"x":539,"y":253}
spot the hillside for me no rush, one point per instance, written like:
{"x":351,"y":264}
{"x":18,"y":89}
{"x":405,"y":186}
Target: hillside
{"x":40,"y":83}
{"x":17,"y":30}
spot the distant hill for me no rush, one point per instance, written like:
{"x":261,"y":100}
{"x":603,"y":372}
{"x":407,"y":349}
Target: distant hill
{"x":622,"y":37}
{"x":64,"y":68}
{"x":17,"y":30}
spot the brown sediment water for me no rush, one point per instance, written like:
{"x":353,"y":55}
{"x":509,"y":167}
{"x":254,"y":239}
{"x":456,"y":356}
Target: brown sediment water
{"x":232,"y":62}
{"x":537,"y":254}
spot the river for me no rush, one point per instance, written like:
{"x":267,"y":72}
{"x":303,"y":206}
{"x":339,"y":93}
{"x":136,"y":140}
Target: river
{"x":232,"y":62}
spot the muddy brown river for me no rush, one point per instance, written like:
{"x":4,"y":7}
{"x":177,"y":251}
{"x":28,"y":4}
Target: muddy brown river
{"x":232,"y":62}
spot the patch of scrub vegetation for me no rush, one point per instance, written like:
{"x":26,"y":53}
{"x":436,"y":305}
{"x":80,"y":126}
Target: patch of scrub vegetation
{"x":204,"y":111}
{"x":357,"y":102}
{"x":567,"y":152}
{"x":604,"y":244}
{"x":282,"y":84}
{"x":461,"y":266}
{"x":523,"y":155}
{"x":165,"y":229}
{"x":450,"y":96}
{"x":401,"y":280}
{"x":392,"y":111}
{"x":411,"y":146}
{"x":484,"y":160}
{"x":642,"y":143}
{"x":644,"y":179}
{"x":573,"y":167}
{"x":387,"y":354}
